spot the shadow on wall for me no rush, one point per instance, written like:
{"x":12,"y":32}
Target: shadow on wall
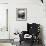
{"x":41,"y":35}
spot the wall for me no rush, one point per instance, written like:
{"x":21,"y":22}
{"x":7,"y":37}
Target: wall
{"x":35,"y":13}
{"x":3,"y":1}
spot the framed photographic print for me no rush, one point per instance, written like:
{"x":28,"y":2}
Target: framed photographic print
{"x":21,"y":14}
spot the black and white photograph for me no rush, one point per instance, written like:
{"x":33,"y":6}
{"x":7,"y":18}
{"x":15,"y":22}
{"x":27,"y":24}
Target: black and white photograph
{"x":21,"y":14}
{"x":22,"y":22}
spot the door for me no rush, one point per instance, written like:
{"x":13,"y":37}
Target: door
{"x":4,"y":33}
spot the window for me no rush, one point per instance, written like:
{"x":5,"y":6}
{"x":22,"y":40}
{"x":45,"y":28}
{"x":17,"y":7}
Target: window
{"x":3,"y":17}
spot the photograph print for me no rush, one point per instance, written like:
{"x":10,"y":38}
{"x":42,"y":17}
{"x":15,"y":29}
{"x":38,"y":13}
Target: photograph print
{"x":21,"y":14}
